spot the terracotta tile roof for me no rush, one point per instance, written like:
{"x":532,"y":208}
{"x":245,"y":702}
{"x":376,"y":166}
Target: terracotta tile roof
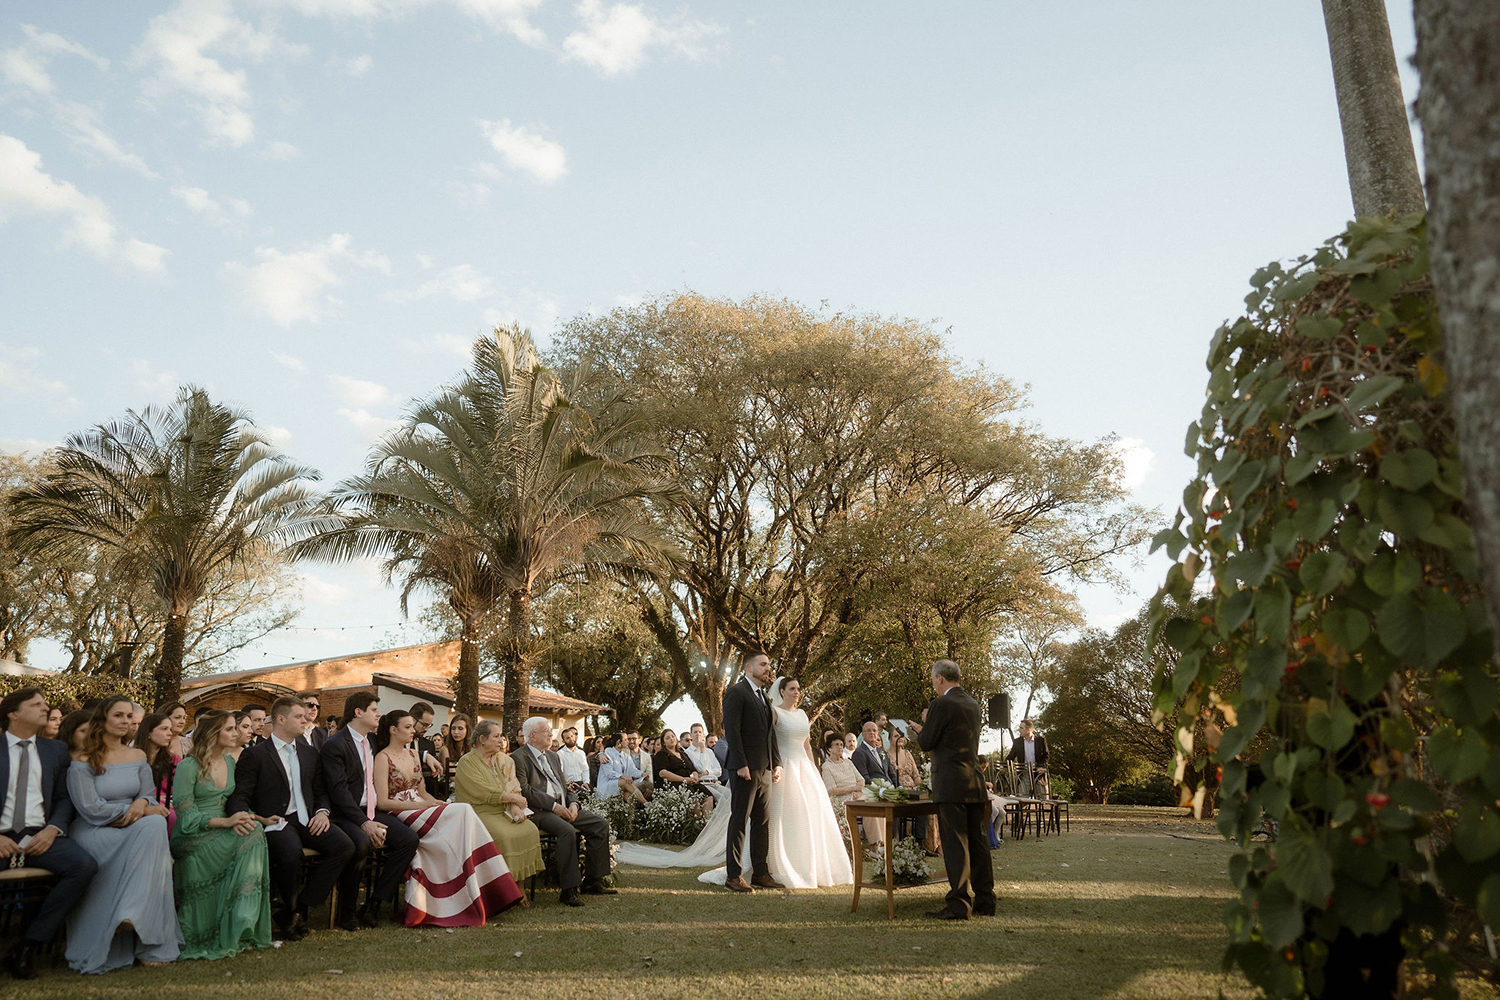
{"x":490,"y":695}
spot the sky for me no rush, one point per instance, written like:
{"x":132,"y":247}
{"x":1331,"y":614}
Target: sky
{"x":311,"y":207}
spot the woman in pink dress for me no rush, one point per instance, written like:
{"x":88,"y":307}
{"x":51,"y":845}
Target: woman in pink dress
{"x":458,"y":877}
{"x":155,"y":736}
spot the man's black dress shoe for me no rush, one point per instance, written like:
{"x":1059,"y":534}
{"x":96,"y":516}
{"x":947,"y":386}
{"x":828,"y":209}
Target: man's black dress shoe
{"x":597,"y":888}
{"x":19,"y":960}
{"x":348,"y":922}
{"x":570,"y":897}
{"x":294,"y":930}
{"x":946,"y":915}
{"x":369,"y":914}
{"x":988,"y":911}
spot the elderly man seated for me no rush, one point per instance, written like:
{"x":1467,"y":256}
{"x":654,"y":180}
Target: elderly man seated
{"x":555,"y":811}
{"x":620,"y":774}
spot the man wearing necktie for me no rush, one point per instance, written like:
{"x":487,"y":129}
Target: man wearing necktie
{"x":281,"y":777}
{"x":555,"y":811}
{"x":754,"y":764}
{"x":348,"y":763}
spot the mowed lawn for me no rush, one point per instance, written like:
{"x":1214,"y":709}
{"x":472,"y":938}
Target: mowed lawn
{"x":1125,"y":905}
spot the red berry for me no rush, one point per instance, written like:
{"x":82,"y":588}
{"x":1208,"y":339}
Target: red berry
{"x":1305,"y":641}
{"x":1306,"y":363}
{"x":1216,"y":514}
{"x":1359,"y":839}
{"x":1292,"y":668}
{"x":1378,"y":800}
{"x":1293,"y":564}
{"x":1323,"y":392}
{"x":1291,"y":503}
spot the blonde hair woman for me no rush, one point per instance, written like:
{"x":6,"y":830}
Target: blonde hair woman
{"x":486,"y":780}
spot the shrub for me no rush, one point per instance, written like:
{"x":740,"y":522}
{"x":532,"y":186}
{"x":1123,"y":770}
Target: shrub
{"x":672,"y":817}
{"x":1155,"y":789}
{"x":59,"y":688}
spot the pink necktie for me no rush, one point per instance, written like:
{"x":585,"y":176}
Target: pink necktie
{"x":364,"y":751}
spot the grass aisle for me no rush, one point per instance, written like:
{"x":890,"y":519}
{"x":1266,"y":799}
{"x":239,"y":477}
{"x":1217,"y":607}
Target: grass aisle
{"x":1122,"y":906}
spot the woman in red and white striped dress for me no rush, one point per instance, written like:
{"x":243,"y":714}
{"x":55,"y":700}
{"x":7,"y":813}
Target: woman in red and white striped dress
{"x":458,"y":877}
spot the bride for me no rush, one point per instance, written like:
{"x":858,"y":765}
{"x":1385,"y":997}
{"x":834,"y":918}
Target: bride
{"x":806,"y":848}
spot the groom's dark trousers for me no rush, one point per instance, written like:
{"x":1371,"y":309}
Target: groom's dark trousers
{"x":749,"y":799}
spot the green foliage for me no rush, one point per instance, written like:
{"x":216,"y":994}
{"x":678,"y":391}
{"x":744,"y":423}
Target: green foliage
{"x":1325,"y":552}
{"x":1153,"y":789}
{"x":672,"y":816}
{"x":60,"y":689}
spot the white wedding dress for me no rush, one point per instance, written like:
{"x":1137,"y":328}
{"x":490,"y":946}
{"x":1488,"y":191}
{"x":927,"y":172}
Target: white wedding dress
{"x":806,"y":847}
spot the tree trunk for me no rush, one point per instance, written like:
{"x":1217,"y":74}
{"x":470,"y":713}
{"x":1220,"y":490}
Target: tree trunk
{"x":466,"y":684}
{"x":169,"y":667}
{"x":1377,"y":138}
{"x":517,"y":667}
{"x":1458,"y":55}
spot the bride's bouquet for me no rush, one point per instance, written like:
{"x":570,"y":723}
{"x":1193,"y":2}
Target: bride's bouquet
{"x":884,"y":791}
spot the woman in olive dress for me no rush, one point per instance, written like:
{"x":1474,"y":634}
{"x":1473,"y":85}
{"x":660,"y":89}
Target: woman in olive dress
{"x":486,"y":780}
{"x":223,"y":871}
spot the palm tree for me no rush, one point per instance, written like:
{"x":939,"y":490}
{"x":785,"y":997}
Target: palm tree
{"x":495,"y":488}
{"x":172,"y":497}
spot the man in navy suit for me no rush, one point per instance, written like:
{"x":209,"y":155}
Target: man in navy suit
{"x":348,"y":760}
{"x":34,"y":803}
{"x":870,"y":758}
{"x":263,"y":785}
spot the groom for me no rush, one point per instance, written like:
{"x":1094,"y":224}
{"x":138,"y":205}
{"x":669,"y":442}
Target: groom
{"x":754,"y":764}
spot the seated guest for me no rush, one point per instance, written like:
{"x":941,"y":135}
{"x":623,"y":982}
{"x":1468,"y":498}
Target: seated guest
{"x":575,"y":762}
{"x":222,"y":873}
{"x":909,"y":777}
{"x":178,"y":713}
{"x":455,"y":745}
{"x":258,"y":724}
{"x":636,"y":751}
{"x":74,"y":729}
{"x":872,"y":762}
{"x":348,"y":763}
{"x":721,"y":752}
{"x":457,"y":877}
{"x":486,"y":780}
{"x":313,"y":734}
{"x":434,"y":775}
{"x":127,"y":914}
{"x":673,"y":769}
{"x":595,"y":748}
{"x":155,"y":738}
{"x":35,"y":816}
{"x":244,"y":724}
{"x":620,"y":774}
{"x":555,"y":811}
{"x":54,"y":722}
{"x":844,"y":783}
{"x":701,"y":754}
{"x":282,"y":777}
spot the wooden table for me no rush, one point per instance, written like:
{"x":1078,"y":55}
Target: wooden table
{"x":890,"y":812}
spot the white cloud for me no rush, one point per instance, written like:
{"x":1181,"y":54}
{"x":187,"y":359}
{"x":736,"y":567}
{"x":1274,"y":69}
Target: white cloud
{"x":511,"y":16}
{"x":280,"y":437}
{"x":615,"y":38}
{"x":26,"y":64}
{"x":26,"y":446}
{"x":447,"y":343}
{"x":359,"y":393}
{"x":280,"y":151}
{"x":291,"y":287}
{"x":19,"y":377}
{"x":1137,"y":460}
{"x":367,"y":423}
{"x":80,"y":123}
{"x":26,"y":189}
{"x":221,"y":212}
{"x":462,"y":282}
{"x":525,"y":150}
{"x":149,"y":378}
{"x":177,"y":44}
{"x":316,"y":590}
{"x":359,"y":65}
{"x":289,"y":361}
{"x":539,"y":315}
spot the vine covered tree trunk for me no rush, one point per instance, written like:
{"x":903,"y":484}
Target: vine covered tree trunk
{"x":466,"y":687}
{"x":517,"y":667}
{"x":1377,"y":139}
{"x":1458,"y":56}
{"x":169,"y":667}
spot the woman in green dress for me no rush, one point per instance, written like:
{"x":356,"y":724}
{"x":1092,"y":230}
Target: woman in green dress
{"x":486,"y":780}
{"x":222,"y":872}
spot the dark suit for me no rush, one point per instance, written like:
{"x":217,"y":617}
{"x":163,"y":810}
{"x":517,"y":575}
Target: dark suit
{"x":595,"y":828}
{"x":721,"y":754}
{"x":73,"y":866}
{"x":1018,"y":751}
{"x":750,"y":730}
{"x":261,"y":787}
{"x":315,"y":737}
{"x":344,"y":777}
{"x":951,"y":736}
{"x":873,"y":762}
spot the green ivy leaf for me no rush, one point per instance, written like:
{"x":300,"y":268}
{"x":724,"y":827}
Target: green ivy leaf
{"x":1364,"y":677}
{"x":1456,"y":755}
{"x":1280,"y":913}
{"x":1324,"y":790}
{"x":1414,"y":795}
{"x":1305,"y":865}
{"x":1245,"y":481}
{"x":1273,"y":610}
{"x":1251,"y":566}
{"x":1409,"y":470}
{"x":1348,"y":627}
{"x":1263,"y":674}
{"x":1180,"y":634}
{"x":1186,"y":671}
{"x":1489,"y":900}
{"x":1301,"y":465}
{"x":1421,"y":631}
{"x":1333,"y":728}
{"x":1477,"y":835}
{"x":1391,"y":573}
{"x":1252,"y":716}
{"x":1314,"y":520}
{"x":1399,"y":734}
{"x":1234,"y":609}
{"x":1407,"y":513}
{"x":1367,"y":910}
{"x":1318,"y":326}
{"x":1321,"y":573}
{"x":1372,"y":390}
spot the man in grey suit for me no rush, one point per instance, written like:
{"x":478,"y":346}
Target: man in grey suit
{"x":555,"y":810}
{"x":951,"y":735}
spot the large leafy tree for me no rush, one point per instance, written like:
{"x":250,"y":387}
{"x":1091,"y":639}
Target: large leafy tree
{"x":849,"y":485}
{"x":495,"y":488}
{"x":172,"y":498}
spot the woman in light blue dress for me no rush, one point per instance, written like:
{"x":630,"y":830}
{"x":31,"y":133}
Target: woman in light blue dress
{"x":127,"y":913}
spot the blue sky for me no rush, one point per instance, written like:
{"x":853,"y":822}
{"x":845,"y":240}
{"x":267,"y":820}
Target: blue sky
{"x":311,"y":206}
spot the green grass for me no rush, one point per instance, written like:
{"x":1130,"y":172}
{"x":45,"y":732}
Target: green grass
{"x":1134,"y":914}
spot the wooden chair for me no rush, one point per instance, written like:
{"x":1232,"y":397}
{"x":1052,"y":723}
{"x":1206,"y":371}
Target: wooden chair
{"x":549,"y":862}
{"x":312,"y":857}
{"x":19,"y":888}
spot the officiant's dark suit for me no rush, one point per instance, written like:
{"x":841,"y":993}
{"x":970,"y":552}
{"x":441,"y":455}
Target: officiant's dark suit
{"x":750,"y":729}
{"x":951,"y":736}
{"x":261,"y":787}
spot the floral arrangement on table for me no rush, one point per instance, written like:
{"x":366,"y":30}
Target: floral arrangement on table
{"x":672,"y":816}
{"x":909,"y":862}
{"x":883,"y":790}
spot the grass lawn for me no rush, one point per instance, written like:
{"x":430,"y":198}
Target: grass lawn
{"x":1126,"y":905}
